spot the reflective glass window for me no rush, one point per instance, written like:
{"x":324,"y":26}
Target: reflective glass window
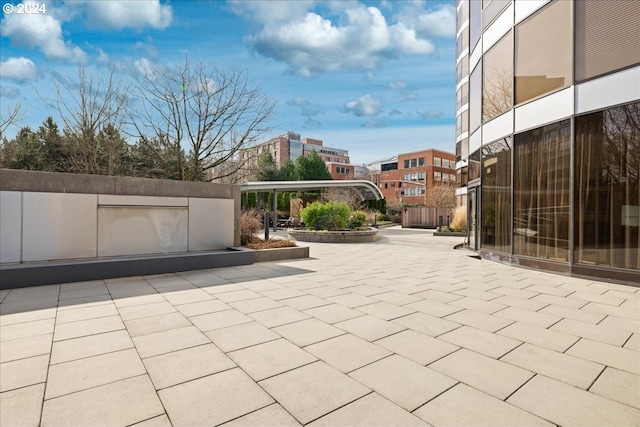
{"x":497,"y":79}
{"x":496,"y":195}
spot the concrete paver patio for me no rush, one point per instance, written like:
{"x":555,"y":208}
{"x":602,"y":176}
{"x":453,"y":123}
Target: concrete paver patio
{"x":406,"y":331}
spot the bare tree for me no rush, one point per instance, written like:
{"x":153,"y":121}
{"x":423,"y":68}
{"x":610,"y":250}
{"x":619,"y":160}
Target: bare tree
{"x":209,"y":112}
{"x":497,"y":94}
{"x":347,"y":195}
{"x":11,"y":117}
{"x":441,"y":195}
{"x":88,"y":105}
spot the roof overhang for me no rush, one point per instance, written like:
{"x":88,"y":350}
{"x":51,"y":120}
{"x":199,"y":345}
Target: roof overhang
{"x":367,"y":189}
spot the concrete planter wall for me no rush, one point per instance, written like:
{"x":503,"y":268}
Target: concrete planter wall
{"x":351,"y":236}
{"x":280,"y":254}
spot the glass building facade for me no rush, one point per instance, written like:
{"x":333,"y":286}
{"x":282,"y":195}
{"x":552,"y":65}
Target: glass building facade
{"x":548,"y":134}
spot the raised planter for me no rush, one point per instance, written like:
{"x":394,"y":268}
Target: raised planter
{"x":280,"y":254}
{"x":347,"y":236}
{"x":450,"y":234}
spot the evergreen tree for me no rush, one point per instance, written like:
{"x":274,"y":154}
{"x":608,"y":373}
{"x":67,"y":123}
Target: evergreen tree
{"x":311,"y":167}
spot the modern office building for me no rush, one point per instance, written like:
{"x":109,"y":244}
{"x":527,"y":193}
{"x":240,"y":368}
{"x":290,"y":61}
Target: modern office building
{"x":548,"y":133}
{"x":407,"y":177}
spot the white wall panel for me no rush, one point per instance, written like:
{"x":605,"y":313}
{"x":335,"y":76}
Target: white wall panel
{"x":475,"y":141}
{"x":497,"y":128}
{"x":525,"y":8}
{"x":613,"y":89}
{"x":210,"y":223}
{"x":475,"y":56}
{"x":548,"y":109}
{"x":115,"y":200}
{"x":10,"y":226}
{"x":59,"y":226}
{"x":497,"y":29}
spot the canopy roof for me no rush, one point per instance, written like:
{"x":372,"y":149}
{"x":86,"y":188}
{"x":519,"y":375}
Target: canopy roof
{"x":367,"y":189}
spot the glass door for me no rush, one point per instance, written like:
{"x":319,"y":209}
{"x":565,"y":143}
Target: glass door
{"x":472,"y":215}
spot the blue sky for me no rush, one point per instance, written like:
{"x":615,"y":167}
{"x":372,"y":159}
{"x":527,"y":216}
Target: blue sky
{"x":374,"y":77}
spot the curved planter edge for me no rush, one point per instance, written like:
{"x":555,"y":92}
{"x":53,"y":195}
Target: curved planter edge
{"x":355,"y":236}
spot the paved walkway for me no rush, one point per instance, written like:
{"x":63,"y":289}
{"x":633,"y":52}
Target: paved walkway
{"x":402,"y":332}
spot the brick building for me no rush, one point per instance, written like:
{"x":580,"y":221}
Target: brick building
{"x":407,"y":178}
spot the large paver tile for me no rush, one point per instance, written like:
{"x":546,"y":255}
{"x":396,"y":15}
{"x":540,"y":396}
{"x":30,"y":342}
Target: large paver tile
{"x":437,"y":296}
{"x":563,"y":367}
{"x":116,"y":404}
{"x":480,"y":341}
{"x":308,"y":331}
{"x":85,"y":313}
{"x":482,"y":306}
{"x":553,"y":340}
{"x":180,"y":366}
{"x":618,"y":385}
{"x":146,"y":296}
{"x":25,"y":347}
{"x":367,"y":290}
{"x":240,"y":336}
{"x":402,"y":381}
{"x":255,"y":304}
{"x":535,"y":318}
{"x":351,"y":300}
{"x":27,"y":329}
{"x":26,"y":316}
{"x":219,"y":319}
{"x":82,"y":302}
{"x":161,"y":421}
{"x":385,"y":310}
{"x":282,"y":293}
{"x":77,"y":375}
{"x":214,"y":399}
{"x":272,"y":358}
{"x":146,"y":310}
{"x":398,"y":298}
{"x":313,"y":390}
{"x":426,"y":324}
{"x":240,"y":295}
{"x":202,"y":307}
{"x":433,"y":308}
{"x":465,"y":406}
{"x":22,"y":407}
{"x":611,"y":299}
{"x":484,"y":373}
{"x":67,"y":294}
{"x":620,"y":323}
{"x":477,"y":294}
{"x":270,"y":416}
{"x":23,"y":372}
{"x":559,"y":300}
{"x":418,"y":347}
{"x":327,"y":292}
{"x":347,"y":352}
{"x":633,"y":343}
{"x":371,"y":410}
{"x":517,"y":302}
{"x":278,"y":316}
{"x":88,"y":327}
{"x":606,"y":354}
{"x":151,"y":325}
{"x":479,"y":320}
{"x":93,"y":345}
{"x":565,"y":405}
{"x":333,"y":313}
{"x":306,"y":302}
{"x":599,"y":333}
{"x":168,"y":341}
{"x":573,"y":313}
{"x":187,"y":297}
{"x":369,"y":327}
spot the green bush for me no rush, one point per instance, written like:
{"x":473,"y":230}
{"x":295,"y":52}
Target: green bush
{"x":357,"y":219}
{"x":325,"y":216}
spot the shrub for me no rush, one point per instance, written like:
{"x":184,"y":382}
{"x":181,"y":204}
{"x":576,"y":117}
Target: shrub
{"x":356,"y":219}
{"x":459,"y":221}
{"x":249,"y":225}
{"x":325,"y":216}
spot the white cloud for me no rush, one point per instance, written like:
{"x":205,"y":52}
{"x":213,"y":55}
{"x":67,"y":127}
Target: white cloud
{"x":19,"y":69}
{"x":314,"y":44}
{"x":374,"y":123}
{"x":364,"y":106}
{"x":397,"y":85}
{"x":116,"y":15}
{"x":271,"y":11}
{"x":440,"y":22}
{"x":145,"y":67}
{"x":43,"y":31}
{"x":298,"y":101}
{"x":431,"y":114}
{"x":9,"y":92}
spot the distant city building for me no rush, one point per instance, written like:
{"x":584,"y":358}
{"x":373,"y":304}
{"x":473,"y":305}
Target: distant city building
{"x":289,"y":145}
{"x":547,"y":133}
{"x":407,"y":177}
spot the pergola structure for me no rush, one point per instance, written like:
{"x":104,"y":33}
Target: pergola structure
{"x":367,"y":189}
